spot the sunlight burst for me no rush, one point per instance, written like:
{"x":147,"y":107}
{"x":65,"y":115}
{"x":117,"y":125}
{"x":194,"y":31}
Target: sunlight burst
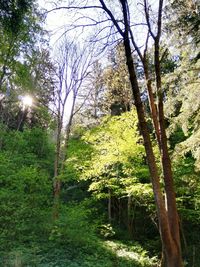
{"x":27,"y":101}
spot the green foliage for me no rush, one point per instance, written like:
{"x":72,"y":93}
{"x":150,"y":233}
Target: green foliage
{"x":117,"y":162}
{"x":24,"y":67}
{"x":35,"y":77}
{"x":183,"y":105}
{"x":25,"y":186}
{"x":74,"y":224}
{"x":183,"y":18}
{"x":118,"y":96}
{"x":106,"y":230}
{"x":73,"y":242}
{"x":188,"y":189}
{"x":13,"y":14}
{"x":79,"y":157}
{"x":108,"y":159}
{"x":20,"y":28}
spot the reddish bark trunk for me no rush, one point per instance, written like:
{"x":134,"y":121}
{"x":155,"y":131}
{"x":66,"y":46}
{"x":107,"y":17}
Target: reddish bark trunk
{"x":166,"y":161}
{"x":170,"y":238}
{"x":147,"y":143}
{"x":153,"y":107}
{"x":171,"y":248}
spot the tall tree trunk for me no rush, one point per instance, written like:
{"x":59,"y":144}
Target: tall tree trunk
{"x":172,"y":253}
{"x":67,"y":134}
{"x":169,"y":235}
{"x":57,"y":182}
{"x":166,"y":161}
{"x":109,"y":206}
{"x":60,"y":159}
{"x":153,"y":107}
{"x":146,"y":136}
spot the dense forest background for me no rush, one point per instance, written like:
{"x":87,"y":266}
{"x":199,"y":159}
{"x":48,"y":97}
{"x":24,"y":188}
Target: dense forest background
{"x":75,"y":184}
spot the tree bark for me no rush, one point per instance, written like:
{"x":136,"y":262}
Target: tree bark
{"x":119,"y":211}
{"x":67,"y":134}
{"x":165,"y":158}
{"x":109,"y":206}
{"x":57,"y":182}
{"x":170,"y":244}
{"x":171,"y":248}
{"x":130,"y":217}
{"x":153,"y":107}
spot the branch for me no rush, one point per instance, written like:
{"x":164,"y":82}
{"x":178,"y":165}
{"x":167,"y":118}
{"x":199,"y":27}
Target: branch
{"x":159,"y":23}
{"x":104,"y":7}
{"x":83,"y":103}
{"x":146,"y":45}
{"x":125,"y":12}
{"x":146,"y":10}
{"x":135,"y":45}
{"x":71,"y":7}
{"x":164,"y":54}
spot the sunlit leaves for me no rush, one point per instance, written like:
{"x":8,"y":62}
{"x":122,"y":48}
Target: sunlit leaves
{"x":117,"y":163}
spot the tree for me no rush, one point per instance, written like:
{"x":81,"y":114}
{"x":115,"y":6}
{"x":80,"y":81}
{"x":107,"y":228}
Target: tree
{"x":73,"y":69}
{"x":91,"y":98}
{"x":167,"y":212}
{"x":20,"y":31}
{"x":23,"y":63}
{"x":168,"y":218}
{"x":117,"y":170}
{"x":183,"y":105}
{"x":33,"y":78}
{"x":117,"y":84}
{"x":184,"y":20}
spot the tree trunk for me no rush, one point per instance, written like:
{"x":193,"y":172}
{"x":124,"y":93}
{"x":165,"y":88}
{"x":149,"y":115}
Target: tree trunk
{"x":166,"y":161}
{"x":169,"y":237}
{"x":145,"y":133}
{"x":119,"y":211}
{"x":21,"y":119}
{"x":130,"y":217}
{"x":67,"y":134}
{"x":171,"y":249}
{"x":57,"y":182}
{"x":153,"y":107}
{"x":109,"y":206}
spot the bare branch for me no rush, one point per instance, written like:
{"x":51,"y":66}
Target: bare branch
{"x":72,"y":7}
{"x":109,"y":13}
{"x":135,"y":45}
{"x":146,"y":10}
{"x":146,"y":45}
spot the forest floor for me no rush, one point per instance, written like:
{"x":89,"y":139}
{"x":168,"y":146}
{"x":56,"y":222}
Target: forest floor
{"x":105,"y":253}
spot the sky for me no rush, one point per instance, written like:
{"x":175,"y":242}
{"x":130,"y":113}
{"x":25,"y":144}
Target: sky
{"x":54,"y":25}
{"x":56,"y":22}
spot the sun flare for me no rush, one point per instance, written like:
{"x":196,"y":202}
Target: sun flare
{"x":27,"y":101}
